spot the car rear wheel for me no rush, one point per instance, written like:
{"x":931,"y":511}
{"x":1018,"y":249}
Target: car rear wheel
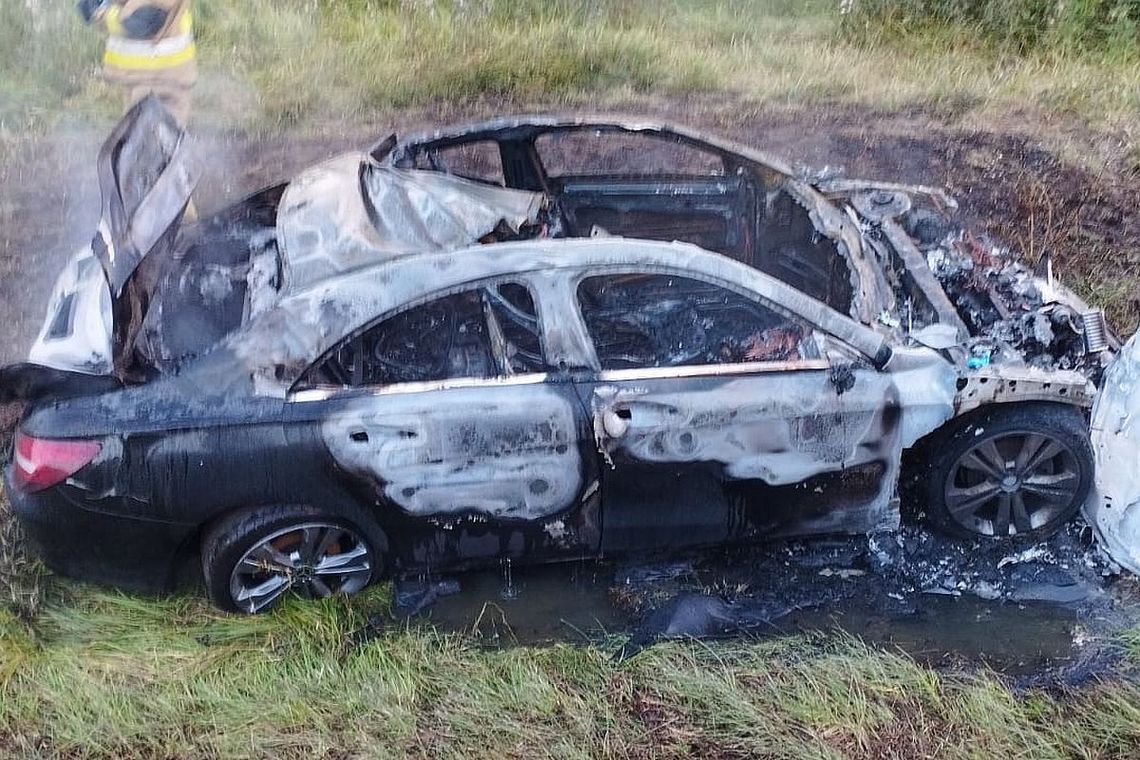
{"x":1011,"y":472}
{"x":253,"y":559}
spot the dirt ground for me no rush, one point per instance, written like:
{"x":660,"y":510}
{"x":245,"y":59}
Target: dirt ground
{"x":1010,"y":177}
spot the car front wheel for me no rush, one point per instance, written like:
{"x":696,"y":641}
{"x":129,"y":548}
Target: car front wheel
{"x":1018,"y":471}
{"x":253,"y":559}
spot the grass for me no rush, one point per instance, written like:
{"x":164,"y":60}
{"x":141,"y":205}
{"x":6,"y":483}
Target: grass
{"x":90,"y":673}
{"x":1017,"y":26}
{"x":115,"y":676}
{"x":272,"y":64}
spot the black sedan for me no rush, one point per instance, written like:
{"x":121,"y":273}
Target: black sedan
{"x":383,"y":368}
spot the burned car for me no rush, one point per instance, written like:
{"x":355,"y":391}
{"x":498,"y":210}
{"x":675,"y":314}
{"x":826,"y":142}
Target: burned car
{"x":543,"y":339}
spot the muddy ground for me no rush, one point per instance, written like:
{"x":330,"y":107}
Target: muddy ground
{"x":1044,"y":614}
{"x":1048,"y":611}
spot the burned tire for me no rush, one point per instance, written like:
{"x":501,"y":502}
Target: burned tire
{"x":254,"y":558}
{"x":1018,"y":471}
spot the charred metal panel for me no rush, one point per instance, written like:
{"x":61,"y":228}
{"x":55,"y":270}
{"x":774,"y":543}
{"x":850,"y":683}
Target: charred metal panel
{"x":1015,"y":316}
{"x":1114,"y":506}
{"x":847,"y":501}
{"x":923,"y":279}
{"x":779,"y":427}
{"x":508,"y":451}
{"x":791,"y":451}
{"x":709,"y":438}
{"x":348,"y":213}
{"x":146,"y":177}
{"x":527,"y":127}
{"x":202,"y":296}
{"x":789,"y":248}
{"x":1007,"y":384}
{"x":425,"y":545}
{"x":868,"y":296}
{"x":21,"y":382}
{"x":289,"y":337}
{"x":80,"y":302}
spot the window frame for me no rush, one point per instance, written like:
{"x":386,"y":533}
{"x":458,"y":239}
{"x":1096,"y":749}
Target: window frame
{"x":817,"y":334}
{"x":304,"y":390}
{"x":433,"y":155}
{"x":726,"y":166}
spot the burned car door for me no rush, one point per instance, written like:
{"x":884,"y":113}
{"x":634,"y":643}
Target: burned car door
{"x":720,"y":416}
{"x":146,"y":176}
{"x":648,"y":187}
{"x":445,"y":412}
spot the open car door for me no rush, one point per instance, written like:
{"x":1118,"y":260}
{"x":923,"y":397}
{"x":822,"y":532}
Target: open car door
{"x":145,"y":178}
{"x":1113,"y":507}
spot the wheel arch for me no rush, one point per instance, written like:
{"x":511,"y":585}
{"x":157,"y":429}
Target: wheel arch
{"x":917,"y":458}
{"x":921,"y":461}
{"x":195,"y":543}
{"x":1021,"y":385}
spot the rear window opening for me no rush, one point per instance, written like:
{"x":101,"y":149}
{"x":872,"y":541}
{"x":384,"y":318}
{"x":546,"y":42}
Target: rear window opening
{"x":596,"y":153}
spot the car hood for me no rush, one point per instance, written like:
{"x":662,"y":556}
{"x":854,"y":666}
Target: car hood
{"x":951,"y":288}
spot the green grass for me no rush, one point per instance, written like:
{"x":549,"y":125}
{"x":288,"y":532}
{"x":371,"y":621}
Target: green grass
{"x":111,"y":675}
{"x":268,"y":64}
{"x":1016,"y":26}
{"x":89,"y":673}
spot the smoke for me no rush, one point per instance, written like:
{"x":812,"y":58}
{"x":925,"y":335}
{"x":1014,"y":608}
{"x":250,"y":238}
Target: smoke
{"x":49,"y":206}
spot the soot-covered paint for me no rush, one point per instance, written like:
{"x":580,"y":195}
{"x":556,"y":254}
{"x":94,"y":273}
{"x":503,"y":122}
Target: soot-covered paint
{"x":507,"y":451}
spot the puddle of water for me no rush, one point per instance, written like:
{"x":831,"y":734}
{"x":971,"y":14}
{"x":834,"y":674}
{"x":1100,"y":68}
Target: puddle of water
{"x":1012,"y":638}
{"x":573,"y":602}
{"x":533,"y":605}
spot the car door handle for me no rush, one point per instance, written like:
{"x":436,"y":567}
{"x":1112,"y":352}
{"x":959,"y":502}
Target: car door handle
{"x":615,"y":421}
{"x":359,"y":434}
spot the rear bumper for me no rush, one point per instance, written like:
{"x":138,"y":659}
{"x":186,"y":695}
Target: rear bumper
{"x":95,"y":546}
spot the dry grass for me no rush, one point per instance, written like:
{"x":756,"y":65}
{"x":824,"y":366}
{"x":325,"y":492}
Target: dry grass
{"x":269,"y":64}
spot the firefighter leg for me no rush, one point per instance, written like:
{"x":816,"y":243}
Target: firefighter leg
{"x":176,"y":99}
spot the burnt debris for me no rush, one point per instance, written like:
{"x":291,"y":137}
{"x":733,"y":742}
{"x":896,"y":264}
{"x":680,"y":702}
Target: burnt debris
{"x":1014,"y":313}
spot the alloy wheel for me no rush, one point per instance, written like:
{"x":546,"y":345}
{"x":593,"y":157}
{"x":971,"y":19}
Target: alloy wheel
{"x":314,"y":559}
{"x":1012,"y":483}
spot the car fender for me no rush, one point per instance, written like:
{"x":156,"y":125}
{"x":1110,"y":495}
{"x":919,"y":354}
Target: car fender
{"x":77,"y":334}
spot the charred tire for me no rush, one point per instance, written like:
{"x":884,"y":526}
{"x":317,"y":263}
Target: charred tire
{"x":254,"y":558}
{"x":1017,"y":471}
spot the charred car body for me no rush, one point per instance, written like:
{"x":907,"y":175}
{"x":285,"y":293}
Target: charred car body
{"x":542,"y":338}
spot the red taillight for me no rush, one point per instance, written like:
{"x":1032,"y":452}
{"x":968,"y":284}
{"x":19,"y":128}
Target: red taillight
{"x":41,"y":462}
